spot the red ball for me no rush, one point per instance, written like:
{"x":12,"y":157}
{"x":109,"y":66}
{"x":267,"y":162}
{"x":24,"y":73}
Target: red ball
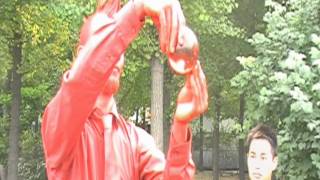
{"x":183,"y":60}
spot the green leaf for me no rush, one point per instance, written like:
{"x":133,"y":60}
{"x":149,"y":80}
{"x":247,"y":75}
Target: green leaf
{"x":315,"y":53}
{"x":297,"y":94}
{"x":315,"y":39}
{"x":280,"y":76}
{"x":316,"y":87}
{"x":293,"y":61}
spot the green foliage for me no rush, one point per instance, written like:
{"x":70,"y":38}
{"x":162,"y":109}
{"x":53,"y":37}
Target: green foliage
{"x":282,"y":84}
{"x":4,"y":134}
{"x":49,"y":33}
{"x":31,"y":163}
{"x":211,"y":17}
{"x":218,"y":37}
{"x":136,"y":80}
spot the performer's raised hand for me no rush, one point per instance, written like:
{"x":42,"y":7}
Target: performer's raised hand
{"x":192,"y":100}
{"x":169,"y":19}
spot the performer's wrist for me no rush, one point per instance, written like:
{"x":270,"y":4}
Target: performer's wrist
{"x":139,"y":8}
{"x":180,"y":121}
{"x":180,"y":131}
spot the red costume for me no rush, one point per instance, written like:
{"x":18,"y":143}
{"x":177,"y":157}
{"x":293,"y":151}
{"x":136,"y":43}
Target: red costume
{"x":77,"y":145}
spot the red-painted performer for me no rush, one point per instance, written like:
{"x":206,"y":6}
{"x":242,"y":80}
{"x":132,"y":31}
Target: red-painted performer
{"x":84,"y":137}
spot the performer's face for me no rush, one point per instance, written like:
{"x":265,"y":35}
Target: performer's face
{"x":261,"y":161}
{"x":113,"y":83}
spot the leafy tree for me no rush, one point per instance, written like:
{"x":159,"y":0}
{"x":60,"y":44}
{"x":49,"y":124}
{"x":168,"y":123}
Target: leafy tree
{"x":282,"y":84}
{"x":136,"y":82}
{"x":211,"y":20}
{"x":43,"y":33}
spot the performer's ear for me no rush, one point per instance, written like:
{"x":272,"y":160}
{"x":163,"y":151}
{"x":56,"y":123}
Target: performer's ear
{"x":101,"y":3}
{"x":79,"y":48}
{"x":109,"y":7}
{"x":84,"y":19}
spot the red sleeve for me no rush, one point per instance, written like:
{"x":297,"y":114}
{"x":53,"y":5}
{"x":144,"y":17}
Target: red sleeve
{"x":151,"y":159}
{"x":64,"y":117}
{"x":179,"y":163}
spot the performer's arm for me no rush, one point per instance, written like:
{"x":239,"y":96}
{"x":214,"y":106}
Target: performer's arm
{"x":103,"y":40}
{"x":64,"y":117}
{"x":153,"y":165}
{"x":191,"y":102}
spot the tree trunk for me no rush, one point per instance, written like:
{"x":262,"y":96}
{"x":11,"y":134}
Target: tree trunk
{"x":242,"y":158}
{"x":166,"y":133}
{"x":144,"y":123}
{"x":137,"y":116}
{"x":166,"y":109}
{"x":201,"y":144}
{"x":15,"y":110}
{"x":2,"y":173}
{"x":216,"y":168}
{"x":5,"y":109}
{"x":157,"y":102}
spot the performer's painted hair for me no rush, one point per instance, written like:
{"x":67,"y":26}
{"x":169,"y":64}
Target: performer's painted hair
{"x":108,"y":6}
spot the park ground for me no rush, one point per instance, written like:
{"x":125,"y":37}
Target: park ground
{"x":225,"y":175}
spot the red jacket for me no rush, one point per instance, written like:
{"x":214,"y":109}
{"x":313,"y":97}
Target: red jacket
{"x":76,"y":144}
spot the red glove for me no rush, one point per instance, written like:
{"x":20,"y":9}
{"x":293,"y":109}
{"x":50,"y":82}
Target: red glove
{"x":192,"y":100}
{"x":168,"y":18}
